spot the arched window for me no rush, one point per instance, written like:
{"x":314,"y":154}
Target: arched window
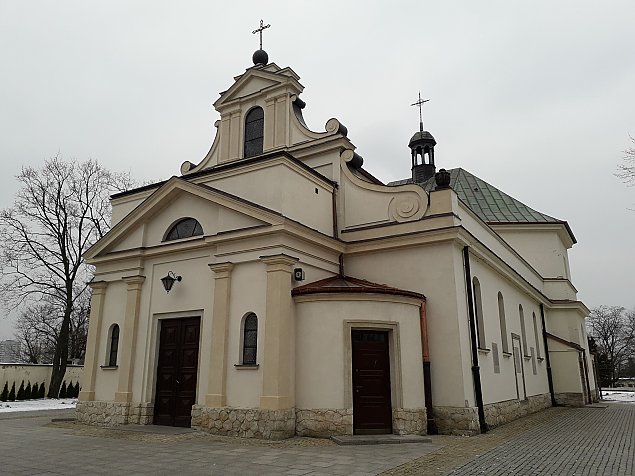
{"x":113,"y":345}
{"x":250,"y":339}
{"x":185,"y":228}
{"x":523,"y":332}
{"x":536,"y":335}
{"x":478,"y":304}
{"x":254,"y":132}
{"x":503,"y":323}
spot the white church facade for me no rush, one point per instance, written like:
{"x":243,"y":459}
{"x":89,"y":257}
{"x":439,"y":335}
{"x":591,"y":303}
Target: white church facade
{"x":276,"y":288}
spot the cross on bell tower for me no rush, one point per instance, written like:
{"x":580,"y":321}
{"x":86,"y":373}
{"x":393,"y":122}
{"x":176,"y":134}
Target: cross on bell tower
{"x":420,"y":103}
{"x":422,"y":149}
{"x":260,"y":56}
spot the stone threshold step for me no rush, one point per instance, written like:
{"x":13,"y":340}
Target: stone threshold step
{"x":153,"y":429}
{"x":379,"y":439}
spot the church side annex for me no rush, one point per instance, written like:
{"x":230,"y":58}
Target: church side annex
{"x":276,"y":288}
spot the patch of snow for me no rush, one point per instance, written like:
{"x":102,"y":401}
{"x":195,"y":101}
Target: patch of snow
{"x":618,"y":396}
{"x":41,"y":404}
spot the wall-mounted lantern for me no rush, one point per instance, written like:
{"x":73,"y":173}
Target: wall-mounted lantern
{"x":168,"y":281}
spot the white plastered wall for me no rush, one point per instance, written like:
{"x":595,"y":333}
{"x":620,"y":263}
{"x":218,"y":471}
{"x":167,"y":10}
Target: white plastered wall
{"x":566,"y":368}
{"x":502,"y":386}
{"x":114,"y":313}
{"x":432,"y":270}
{"x":542,"y":248}
{"x":248,"y":294}
{"x":283,"y":189}
{"x":323,"y":359}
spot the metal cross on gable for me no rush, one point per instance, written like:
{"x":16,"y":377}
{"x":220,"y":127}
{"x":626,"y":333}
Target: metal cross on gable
{"x":420,"y":103}
{"x":260,"y":30}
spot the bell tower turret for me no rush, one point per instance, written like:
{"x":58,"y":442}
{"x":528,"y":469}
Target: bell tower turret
{"x":422,"y":149}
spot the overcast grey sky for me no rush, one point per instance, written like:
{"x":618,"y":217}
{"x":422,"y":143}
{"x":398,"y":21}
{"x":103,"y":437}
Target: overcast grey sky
{"x":536,"y":97}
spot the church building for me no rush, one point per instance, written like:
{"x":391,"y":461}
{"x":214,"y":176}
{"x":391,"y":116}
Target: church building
{"x":277,"y":288}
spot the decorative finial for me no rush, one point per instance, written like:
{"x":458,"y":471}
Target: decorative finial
{"x":260,"y":30}
{"x":420,"y":104}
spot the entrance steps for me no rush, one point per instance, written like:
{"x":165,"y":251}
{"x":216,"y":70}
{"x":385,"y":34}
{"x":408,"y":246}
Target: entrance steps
{"x":379,"y":439}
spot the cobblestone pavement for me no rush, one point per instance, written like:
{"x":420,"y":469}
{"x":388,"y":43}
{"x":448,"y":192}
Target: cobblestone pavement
{"x":558,"y":441}
{"x":32,"y":445}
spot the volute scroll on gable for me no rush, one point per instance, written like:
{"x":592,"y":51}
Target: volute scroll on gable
{"x":367,"y":203}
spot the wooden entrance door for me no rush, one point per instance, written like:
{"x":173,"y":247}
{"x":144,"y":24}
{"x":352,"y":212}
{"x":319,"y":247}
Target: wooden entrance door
{"x":519,"y":369}
{"x":176,"y":371}
{"x":372,"y":409}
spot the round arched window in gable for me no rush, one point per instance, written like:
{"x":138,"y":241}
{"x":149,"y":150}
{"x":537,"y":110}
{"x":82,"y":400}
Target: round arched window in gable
{"x":185,"y":228}
{"x":254,"y":132}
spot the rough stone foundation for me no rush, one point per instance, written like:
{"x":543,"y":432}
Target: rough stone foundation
{"x":464,"y":421}
{"x":409,"y":421}
{"x":503,"y":412}
{"x":456,"y":420}
{"x":570,"y":399}
{"x":245,"y":422}
{"x":114,"y":413}
{"x":324,"y":422}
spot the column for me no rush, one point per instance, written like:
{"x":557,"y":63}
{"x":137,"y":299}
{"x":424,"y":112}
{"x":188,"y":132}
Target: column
{"x":235,"y":143}
{"x":277,"y":391}
{"x":91,"y":360}
{"x":217,"y":377}
{"x":128,"y":338}
{"x":270,"y":124}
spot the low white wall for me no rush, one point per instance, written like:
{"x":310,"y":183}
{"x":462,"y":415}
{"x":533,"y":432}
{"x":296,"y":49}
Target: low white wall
{"x":35,"y":373}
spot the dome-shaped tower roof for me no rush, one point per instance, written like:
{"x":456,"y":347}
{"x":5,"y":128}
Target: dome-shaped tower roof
{"x":421,"y":138}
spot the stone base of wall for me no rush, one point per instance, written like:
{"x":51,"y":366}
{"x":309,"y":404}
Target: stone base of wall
{"x":245,"y":422}
{"x":570,"y":399}
{"x":456,"y":420}
{"x":114,"y":413}
{"x":503,"y":412}
{"x":324,"y":422}
{"x":464,"y":421}
{"x":409,"y":421}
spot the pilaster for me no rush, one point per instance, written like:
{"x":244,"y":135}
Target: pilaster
{"x":217,"y":377}
{"x":92,"y":341}
{"x":129,"y":338}
{"x":278,"y":368}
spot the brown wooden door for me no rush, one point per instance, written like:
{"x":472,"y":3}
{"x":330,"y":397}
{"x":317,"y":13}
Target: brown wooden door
{"x":372,"y":410}
{"x":176,"y":371}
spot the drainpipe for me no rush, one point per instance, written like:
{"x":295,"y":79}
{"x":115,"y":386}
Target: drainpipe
{"x":476,"y":371}
{"x":596,"y":374}
{"x":586,"y":377}
{"x":334,"y":211}
{"x":427,"y":382}
{"x":546,"y":346}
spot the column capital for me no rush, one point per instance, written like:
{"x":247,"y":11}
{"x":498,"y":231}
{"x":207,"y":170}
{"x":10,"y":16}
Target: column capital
{"x":134,"y":281}
{"x":221,"y":270}
{"x":279,"y":262}
{"x":98,"y":287}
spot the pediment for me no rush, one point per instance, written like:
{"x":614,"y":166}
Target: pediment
{"x":147,"y":225}
{"x":256,"y":81}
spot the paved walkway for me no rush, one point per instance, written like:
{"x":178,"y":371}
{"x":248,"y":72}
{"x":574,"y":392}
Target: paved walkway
{"x":558,"y":441}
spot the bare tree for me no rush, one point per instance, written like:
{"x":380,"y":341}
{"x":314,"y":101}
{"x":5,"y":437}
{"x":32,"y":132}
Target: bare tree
{"x":613,"y":329}
{"x":37,"y":331}
{"x":626,"y":170}
{"x":38,"y":327}
{"x":59,"y":211}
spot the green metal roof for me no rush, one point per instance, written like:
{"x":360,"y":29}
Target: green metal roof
{"x":492,"y":205}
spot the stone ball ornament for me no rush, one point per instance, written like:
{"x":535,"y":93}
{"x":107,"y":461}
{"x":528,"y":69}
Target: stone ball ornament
{"x":260,"y":57}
